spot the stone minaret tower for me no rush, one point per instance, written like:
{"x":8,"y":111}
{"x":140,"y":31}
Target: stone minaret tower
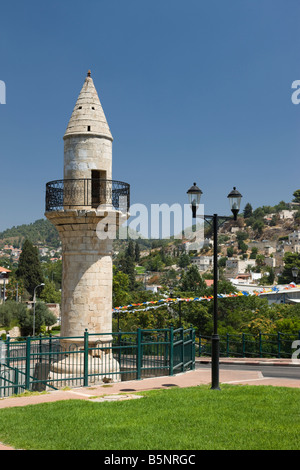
{"x":72,"y":205}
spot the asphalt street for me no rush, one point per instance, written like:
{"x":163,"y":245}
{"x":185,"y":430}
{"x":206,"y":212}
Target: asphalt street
{"x":286,"y":371}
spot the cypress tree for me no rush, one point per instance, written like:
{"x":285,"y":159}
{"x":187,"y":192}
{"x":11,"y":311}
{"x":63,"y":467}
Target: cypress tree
{"x":248,"y":211}
{"x":29,"y":267}
{"x":137,"y":253}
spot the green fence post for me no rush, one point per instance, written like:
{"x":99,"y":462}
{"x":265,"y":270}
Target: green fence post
{"x":227,"y":344}
{"x":166,"y":350}
{"x":50,"y":345}
{"x":182,"y":349}
{"x":16,"y":384}
{"x":86,"y":359}
{"x":27,"y":363}
{"x":179,"y":305}
{"x":278,"y":344}
{"x":243,"y":344}
{"x":139,"y":354}
{"x":7,"y":349}
{"x":171,"y":350}
{"x":260,"y":345}
{"x":193,"y":353}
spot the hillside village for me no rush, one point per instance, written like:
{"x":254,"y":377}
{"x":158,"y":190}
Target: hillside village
{"x":248,"y":254}
{"x":251,"y":250}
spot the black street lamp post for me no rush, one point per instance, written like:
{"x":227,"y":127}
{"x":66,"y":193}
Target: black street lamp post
{"x":234,"y":198}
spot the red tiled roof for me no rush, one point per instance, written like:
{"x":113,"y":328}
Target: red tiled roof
{"x":4,"y":270}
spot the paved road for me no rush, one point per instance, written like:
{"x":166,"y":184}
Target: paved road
{"x":287,"y":372}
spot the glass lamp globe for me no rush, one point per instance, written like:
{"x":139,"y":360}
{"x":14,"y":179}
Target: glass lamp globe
{"x":234,"y":198}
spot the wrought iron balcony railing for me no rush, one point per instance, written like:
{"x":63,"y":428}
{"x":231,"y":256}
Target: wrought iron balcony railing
{"x":85,"y":192}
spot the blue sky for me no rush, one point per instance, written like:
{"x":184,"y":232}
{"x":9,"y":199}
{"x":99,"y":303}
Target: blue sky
{"x":192,"y":91}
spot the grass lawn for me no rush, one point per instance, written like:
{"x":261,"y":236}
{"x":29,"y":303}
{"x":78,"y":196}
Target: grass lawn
{"x":196,"y":418}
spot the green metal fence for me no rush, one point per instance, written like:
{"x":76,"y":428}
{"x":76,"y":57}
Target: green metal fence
{"x":246,"y":345}
{"x":50,"y":363}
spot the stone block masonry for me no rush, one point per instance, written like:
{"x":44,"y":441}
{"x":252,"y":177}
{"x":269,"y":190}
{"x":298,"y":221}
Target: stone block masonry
{"x":87,"y":273}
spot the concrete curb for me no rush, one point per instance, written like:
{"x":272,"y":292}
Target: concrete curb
{"x":250,"y":361}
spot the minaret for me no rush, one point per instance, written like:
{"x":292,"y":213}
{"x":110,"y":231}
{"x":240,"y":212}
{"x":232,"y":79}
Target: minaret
{"x":72,"y":205}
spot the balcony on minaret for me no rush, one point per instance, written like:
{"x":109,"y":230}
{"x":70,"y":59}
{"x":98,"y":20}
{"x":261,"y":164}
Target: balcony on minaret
{"x":87,"y":193}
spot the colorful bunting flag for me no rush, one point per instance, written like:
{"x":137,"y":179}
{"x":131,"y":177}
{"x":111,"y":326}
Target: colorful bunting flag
{"x":153,"y":303}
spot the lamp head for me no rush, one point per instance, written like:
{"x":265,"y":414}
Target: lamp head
{"x":234,"y":198}
{"x":194,"y":194}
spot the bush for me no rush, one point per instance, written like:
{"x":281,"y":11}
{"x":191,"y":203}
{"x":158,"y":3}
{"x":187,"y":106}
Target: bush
{"x":17,"y":314}
{"x":10,"y":314}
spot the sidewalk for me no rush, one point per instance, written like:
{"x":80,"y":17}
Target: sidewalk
{"x":187,"y":379}
{"x":251,"y":361}
{"x":127,"y":390}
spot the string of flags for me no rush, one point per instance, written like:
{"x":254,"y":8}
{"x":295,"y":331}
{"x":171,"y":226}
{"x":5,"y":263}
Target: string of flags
{"x":154,"y":304}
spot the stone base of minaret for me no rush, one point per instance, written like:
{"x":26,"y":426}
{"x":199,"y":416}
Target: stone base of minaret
{"x":87,"y":237}
{"x":70,"y":370}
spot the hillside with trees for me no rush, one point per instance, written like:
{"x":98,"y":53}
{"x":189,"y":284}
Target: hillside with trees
{"x":40,"y":232}
{"x":139,"y":264}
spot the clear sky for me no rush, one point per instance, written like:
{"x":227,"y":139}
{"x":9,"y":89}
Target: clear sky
{"x":192,"y":90}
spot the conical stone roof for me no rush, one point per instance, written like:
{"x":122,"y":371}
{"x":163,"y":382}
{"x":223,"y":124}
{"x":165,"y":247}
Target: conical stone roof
{"x":88,"y":116}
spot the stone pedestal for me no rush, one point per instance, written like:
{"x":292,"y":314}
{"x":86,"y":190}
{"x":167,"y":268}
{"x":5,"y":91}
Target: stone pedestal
{"x":69,"y":371}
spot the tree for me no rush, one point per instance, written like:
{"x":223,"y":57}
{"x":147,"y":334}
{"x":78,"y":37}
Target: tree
{"x":242,"y":246}
{"x":121,"y":295}
{"x":130,"y":252}
{"x":268,"y":277}
{"x":254,"y":252}
{"x":154,"y":263}
{"x":126,"y":265}
{"x":169,"y":278}
{"x":222,"y":262}
{"x":258,"y":226}
{"x":15,"y":288}
{"x":260,"y":260}
{"x":296,"y":195}
{"x":248,"y":211}
{"x":49,"y":294}
{"x":290,"y":260}
{"x":241,"y":236}
{"x":29,"y":267}
{"x":43,"y":317}
{"x":192,"y":280}
{"x":230,"y":251}
{"x":137,"y":252}
{"x":53,"y":272}
{"x":10,"y":312}
{"x":184,"y":260}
